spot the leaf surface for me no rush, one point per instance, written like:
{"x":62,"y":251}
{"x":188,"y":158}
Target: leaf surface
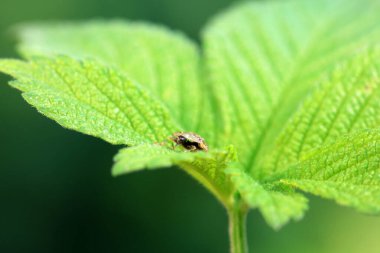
{"x":91,"y":98}
{"x":347,"y":171}
{"x":164,"y":61}
{"x":346,"y":101}
{"x":263,"y":58}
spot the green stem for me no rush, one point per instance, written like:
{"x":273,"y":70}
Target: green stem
{"x":237,"y":214}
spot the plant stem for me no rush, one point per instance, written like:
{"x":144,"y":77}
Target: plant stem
{"x":237,"y":214}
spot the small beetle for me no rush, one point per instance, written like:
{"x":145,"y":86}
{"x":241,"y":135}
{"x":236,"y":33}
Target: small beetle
{"x":189,"y":141}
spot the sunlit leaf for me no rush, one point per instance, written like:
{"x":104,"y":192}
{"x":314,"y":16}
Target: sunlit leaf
{"x":290,"y":87}
{"x":164,"y":61}
{"x":347,"y":171}
{"x":90,"y":98}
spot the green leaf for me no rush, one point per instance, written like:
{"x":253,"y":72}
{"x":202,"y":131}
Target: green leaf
{"x":347,"y":100}
{"x":91,"y":98}
{"x":347,"y":171}
{"x":164,"y":61}
{"x":281,"y":81}
{"x":207,"y":168}
{"x":146,"y":156}
{"x":277,"y":206}
{"x":88,"y":97}
{"x":264,"y":57}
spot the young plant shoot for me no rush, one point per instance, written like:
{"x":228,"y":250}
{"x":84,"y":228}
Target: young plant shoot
{"x":280,"y":98}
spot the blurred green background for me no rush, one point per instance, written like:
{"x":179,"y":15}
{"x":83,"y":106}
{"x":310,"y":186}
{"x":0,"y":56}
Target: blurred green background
{"x":57,"y":194}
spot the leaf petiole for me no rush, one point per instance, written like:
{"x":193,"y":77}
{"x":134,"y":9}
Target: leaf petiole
{"x":237,"y":214}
